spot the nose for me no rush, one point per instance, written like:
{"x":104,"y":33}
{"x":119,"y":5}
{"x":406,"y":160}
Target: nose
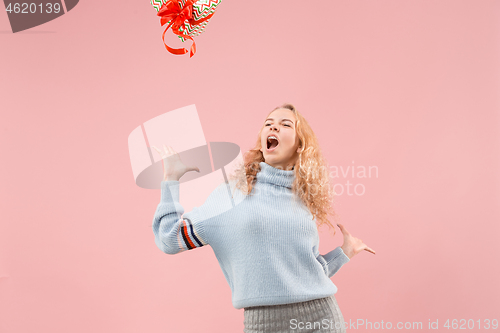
{"x":274,"y":127}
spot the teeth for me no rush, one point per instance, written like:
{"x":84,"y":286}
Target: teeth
{"x":269,"y":140}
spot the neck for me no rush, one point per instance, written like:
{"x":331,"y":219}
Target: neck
{"x":271,"y":175}
{"x":286,"y":167}
{"x":283,"y":166}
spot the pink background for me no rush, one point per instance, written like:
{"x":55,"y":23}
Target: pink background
{"x":411,"y":87}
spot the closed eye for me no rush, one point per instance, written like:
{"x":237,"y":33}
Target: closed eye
{"x":284,"y":125}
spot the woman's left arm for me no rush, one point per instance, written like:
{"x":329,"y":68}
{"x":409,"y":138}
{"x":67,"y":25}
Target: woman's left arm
{"x":333,"y":261}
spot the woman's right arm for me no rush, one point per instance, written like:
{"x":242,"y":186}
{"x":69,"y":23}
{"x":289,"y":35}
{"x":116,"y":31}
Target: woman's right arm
{"x":173,"y":233}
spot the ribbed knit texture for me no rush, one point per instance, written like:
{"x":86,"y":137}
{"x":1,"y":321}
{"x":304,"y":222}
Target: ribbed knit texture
{"x":266,"y":243}
{"x":319,"y":315}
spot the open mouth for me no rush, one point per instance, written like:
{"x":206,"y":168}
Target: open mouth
{"x":272,"y":142}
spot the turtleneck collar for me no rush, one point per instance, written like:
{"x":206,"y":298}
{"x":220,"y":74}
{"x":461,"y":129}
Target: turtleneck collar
{"x":271,"y":175}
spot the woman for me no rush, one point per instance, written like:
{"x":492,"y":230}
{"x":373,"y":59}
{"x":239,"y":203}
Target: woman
{"x":263,"y":230}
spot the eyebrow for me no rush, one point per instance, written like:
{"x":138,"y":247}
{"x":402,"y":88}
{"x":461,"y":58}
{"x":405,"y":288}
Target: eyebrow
{"x":281,"y":120}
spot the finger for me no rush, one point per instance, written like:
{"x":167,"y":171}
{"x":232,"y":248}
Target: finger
{"x":343,"y":229}
{"x":172,"y":151}
{"x":194,"y":169}
{"x":159,"y":152}
{"x":369,"y":250}
{"x":167,"y":150}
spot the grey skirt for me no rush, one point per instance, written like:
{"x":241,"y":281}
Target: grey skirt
{"x":316,"y":316}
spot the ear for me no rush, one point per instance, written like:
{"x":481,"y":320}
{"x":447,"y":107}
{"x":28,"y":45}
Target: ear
{"x":299,"y":149}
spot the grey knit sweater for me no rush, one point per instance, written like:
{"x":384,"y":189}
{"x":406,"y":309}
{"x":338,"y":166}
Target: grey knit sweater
{"x":266,"y":243}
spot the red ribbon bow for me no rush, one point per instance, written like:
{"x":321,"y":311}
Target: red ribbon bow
{"x":177,"y":15}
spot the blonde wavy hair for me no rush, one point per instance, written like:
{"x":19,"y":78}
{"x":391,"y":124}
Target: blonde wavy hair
{"x":311,"y":184}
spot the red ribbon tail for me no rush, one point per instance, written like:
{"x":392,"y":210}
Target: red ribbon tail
{"x":193,"y":46}
{"x":172,"y":50}
{"x":193,"y":49}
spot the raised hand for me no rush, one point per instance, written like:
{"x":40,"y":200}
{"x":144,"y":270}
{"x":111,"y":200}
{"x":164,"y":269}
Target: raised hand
{"x":352,"y":245}
{"x":173,"y":168}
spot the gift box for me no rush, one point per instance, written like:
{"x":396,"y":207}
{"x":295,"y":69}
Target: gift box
{"x":188,"y":18}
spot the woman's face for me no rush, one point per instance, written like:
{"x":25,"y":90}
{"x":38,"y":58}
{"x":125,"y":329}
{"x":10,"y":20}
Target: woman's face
{"x":281,"y":151}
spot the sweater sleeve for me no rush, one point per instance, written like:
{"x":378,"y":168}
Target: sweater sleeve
{"x":333,"y":261}
{"x":175,"y":231}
